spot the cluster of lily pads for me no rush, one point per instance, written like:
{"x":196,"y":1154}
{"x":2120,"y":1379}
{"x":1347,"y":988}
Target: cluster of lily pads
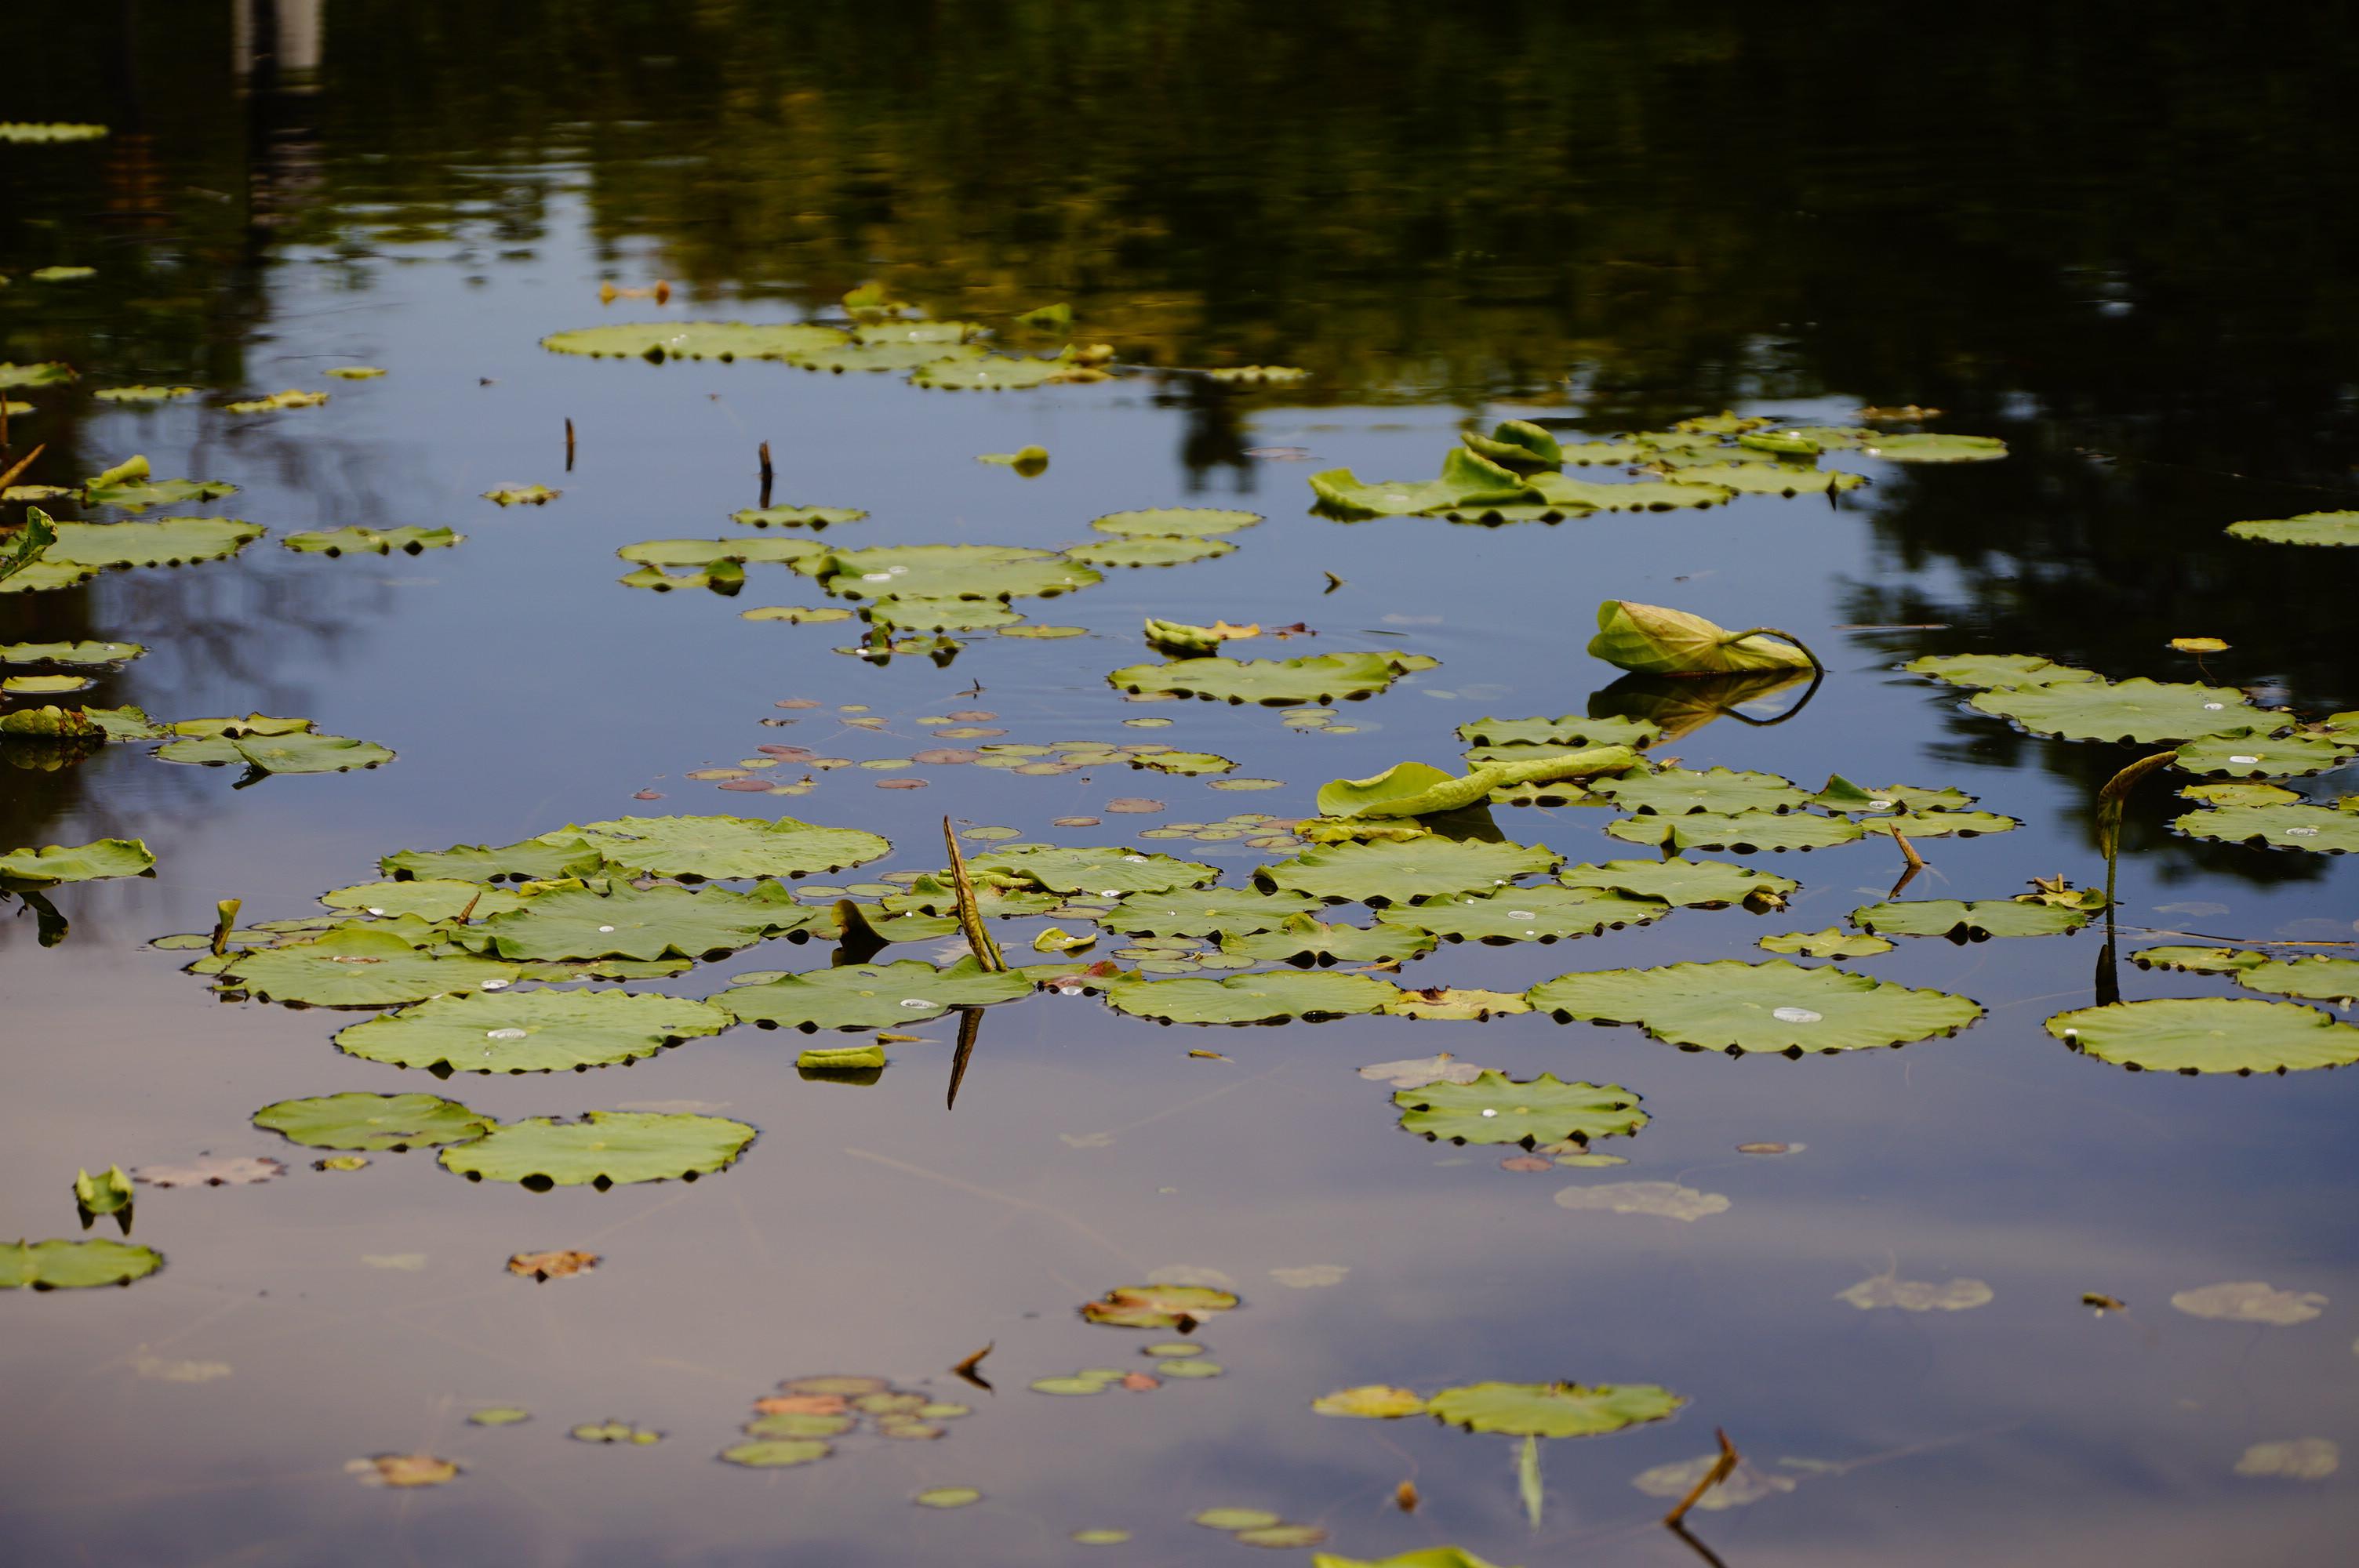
{"x":795,"y":1425}
{"x":260,"y":743}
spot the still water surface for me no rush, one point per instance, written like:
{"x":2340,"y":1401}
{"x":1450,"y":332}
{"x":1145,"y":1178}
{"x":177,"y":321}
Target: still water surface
{"x":2091,"y":241}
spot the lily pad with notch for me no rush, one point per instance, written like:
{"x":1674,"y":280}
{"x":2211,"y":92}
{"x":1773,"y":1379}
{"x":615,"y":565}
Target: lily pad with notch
{"x":1744,"y":832}
{"x":1402,"y":872}
{"x":530,"y":1032}
{"x":873,"y":996}
{"x":1687,"y":884}
{"x":604,"y":1149}
{"x":946,"y":571}
{"x":1776,"y":1006}
{"x":1553,"y":1410}
{"x":1524,"y":914}
{"x":378,"y":1123}
{"x":1304,"y":941}
{"x":2209,"y":1034}
{"x":619,"y":921}
{"x":301,"y":753}
{"x":1317,"y":677}
{"x":1495,"y":1108}
{"x":1969,"y":921}
{"x":1266,"y":997}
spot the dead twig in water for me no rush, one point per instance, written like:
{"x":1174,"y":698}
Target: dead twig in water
{"x":1916,"y":861}
{"x":986,"y":951}
{"x":569,"y":446}
{"x":27,"y":461}
{"x":966,"y":1369}
{"x":1720,"y":1471}
{"x":766,"y":476}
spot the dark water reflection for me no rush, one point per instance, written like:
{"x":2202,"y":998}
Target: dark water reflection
{"x":2104,"y":234}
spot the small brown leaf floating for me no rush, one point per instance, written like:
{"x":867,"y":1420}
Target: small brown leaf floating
{"x":412,"y":1469}
{"x":1527,"y":1162}
{"x":1137,"y":805}
{"x":1074,"y":822}
{"x":2102,"y":1302}
{"x":967,"y":1368}
{"x":1405,"y":1496}
{"x":1141,"y":1382}
{"x":900,"y":783}
{"x":545,"y":1266}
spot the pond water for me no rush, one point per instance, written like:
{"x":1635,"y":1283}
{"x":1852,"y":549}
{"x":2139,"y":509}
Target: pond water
{"x":2094,"y":240}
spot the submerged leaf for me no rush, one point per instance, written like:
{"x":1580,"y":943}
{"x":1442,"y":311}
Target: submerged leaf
{"x":1917,"y":1295}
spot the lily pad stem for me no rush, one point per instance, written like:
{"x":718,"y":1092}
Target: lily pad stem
{"x":1721,"y":1469}
{"x":1783,"y":636}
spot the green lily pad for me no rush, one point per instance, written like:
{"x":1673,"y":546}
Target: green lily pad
{"x":374,"y":541}
{"x":941,"y":614}
{"x":721,"y":849}
{"x":374,"y":1122}
{"x":2240,"y":794}
{"x":1842,"y":795}
{"x":1303,"y":940}
{"x":1571,"y":729}
{"x":79,"y":654}
{"x":1002,"y":374}
{"x":1773,"y":1006}
{"x":1158,"y":1307}
{"x":1566,"y":490}
{"x":1652,"y":640}
{"x":2209,"y":1034}
{"x":1993,"y":671}
{"x":1516,"y":444}
{"x":1318,"y":677}
{"x":1415,"y":789}
{"x":1553,"y":1410}
{"x":166,"y":542}
{"x":51,"y":864}
{"x":1831,"y":942}
{"x":2309,"y":528}
{"x":1466,"y":479}
{"x":1400,"y":871}
{"x":606,"y":1147}
{"x":1175,"y":522}
{"x":42,"y":576}
{"x":355,"y":967}
{"x":1524,"y":914}
{"x":1185,"y":764}
{"x":1206,"y":912}
{"x":2198,"y":960}
{"x":872,"y":996}
{"x":799,"y":615}
{"x":1686,"y":884}
{"x":777,"y":1454}
{"x":659,"y":341}
{"x":813,"y":517}
{"x":430,"y":899}
{"x":1937,"y":824}
{"x":2319,"y":830}
{"x":62,"y":274}
{"x":530,"y":1032}
{"x":2135,"y":709}
{"x":625,"y":921}
{"x":1157,"y":551}
{"x":1425,"y":1557}
{"x":138,"y":495}
{"x":74,"y":1265}
{"x":42,"y":685}
{"x":946,"y":571}
{"x":298,"y":753}
{"x":51,"y":373}
{"x":2261,"y":756}
{"x":142,"y":394}
{"x":1110,"y":872}
{"x":1928,"y":447}
{"x":1968,"y":920}
{"x":1495,"y":1108}
{"x":931,"y":355}
{"x":1250,"y":998}
{"x":1678,"y":790}
{"x":1744,"y":831}
{"x":547,"y":858}
{"x":709,"y":552}
{"x":1769,"y":479}
{"x":50,"y":131}
{"x":2316,"y":978}
{"x":79,"y":725}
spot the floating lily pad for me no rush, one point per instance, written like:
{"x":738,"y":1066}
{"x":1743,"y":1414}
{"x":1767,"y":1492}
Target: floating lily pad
{"x":42,"y":685}
{"x":1677,"y":791}
{"x":1964,"y":921}
{"x":1553,"y":1410}
{"x":1158,"y":1306}
{"x":1304,"y":940}
{"x":946,"y":571}
{"x":55,"y":863}
{"x":2316,"y":978}
{"x":301,"y":753}
{"x":547,"y":858}
{"x":1570,"y":729}
{"x":709,"y":552}
{"x":1743,"y":831}
{"x":1997,"y":671}
{"x":2250,"y":1300}
{"x":74,"y":1265}
{"x":1562,"y":490}
{"x":1205,"y":912}
{"x":48,"y":131}
{"x":625,"y":922}
{"x":873,"y":996}
{"x":1112,"y":873}
{"x":1397,"y":871}
{"x":1524,"y":914}
{"x":2198,"y":960}
{"x":372,"y":541}
{"x":606,"y":1147}
{"x":1928,"y":447}
{"x":2136,"y":710}
{"x":2261,"y":756}
{"x":1002,"y":374}
{"x":1150,"y":552}
{"x":1495,"y":1108}
{"x":1459,"y":1004}
{"x":1652,"y":640}
{"x":168,"y":541}
{"x":1688,"y":884}
{"x":1235,"y":1519}
{"x":813,"y":517}
{"x":777,"y":1454}
{"x":79,"y":654}
{"x":374,"y":1122}
{"x":1773,"y":1006}
{"x":2240,"y":794}
{"x":2309,"y":528}
{"x":1175,"y":522}
{"x":81,"y":724}
{"x":1370,"y":1401}
{"x":659,"y":341}
{"x":522,"y":494}
{"x":1250,"y":998}
{"x":720,"y":848}
{"x":1831,"y":942}
{"x":1466,"y":479}
{"x":1939,"y":824}
{"x":355,"y":967}
{"x":2209,"y":1034}
{"x":941,"y":614}
{"x":1186,"y":764}
{"x":530,"y":1032}
{"x":429,"y":899}
{"x":1319,"y":677}
{"x":2319,"y":830}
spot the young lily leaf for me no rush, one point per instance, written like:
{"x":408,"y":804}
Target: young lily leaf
{"x":74,"y":1265}
{"x":353,"y":966}
{"x":1413,"y":789}
{"x":1524,"y":914}
{"x":2135,"y":709}
{"x":1318,"y":677}
{"x":2322,"y":830}
{"x":1832,"y":943}
{"x":374,"y":1122}
{"x":52,"y":864}
{"x":530,"y":1032}
{"x":606,"y":1147}
{"x":1304,"y":941}
{"x":720,"y":848}
{"x":1744,"y":832}
{"x":1571,"y":729}
{"x":1651,"y":640}
{"x":2309,"y":528}
{"x":1774,"y":1006}
{"x":1495,"y":1108}
{"x":873,"y":996}
{"x":1175,"y":522}
{"x":1678,"y":790}
{"x":1206,"y":912}
{"x":659,"y":341}
{"x":1110,"y":872}
{"x":1516,"y":444}
{"x":298,"y":753}
{"x":1553,"y":1410}
{"x":374,"y":541}
{"x":2209,"y":1034}
{"x":946,"y":571}
{"x":1466,"y":479}
{"x":1404,"y":871}
{"x":1969,"y":922}
{"x":625,"y":921}
{"x":1250,"y":998}
{"x":2252,"y":756}
{"x":1688,"y":884}
{"x":1927,"y":447}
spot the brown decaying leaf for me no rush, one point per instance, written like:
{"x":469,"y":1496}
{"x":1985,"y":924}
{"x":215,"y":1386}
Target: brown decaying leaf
{"x":1140,"y":1382}
{"x":943,"y":756}
{"x":412,"y":1469}
{"x":900,"y":783}
{"x":211,"y":1170}
{"x":1133,"y":805}
{"x":552,"y":1265}
{"x":1527,"y":1162}
{"x":1405,"y":1496}
{"x":966,"y":1367}
{"x":2102,"y":1302}
{"x":1764,"y":1148}
{"x":648,"y":795}
{"x":1208,"y":1055}
{"x":1074,"y":822}
{"x":810,"y":1404}
{"x":797,"y":702}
